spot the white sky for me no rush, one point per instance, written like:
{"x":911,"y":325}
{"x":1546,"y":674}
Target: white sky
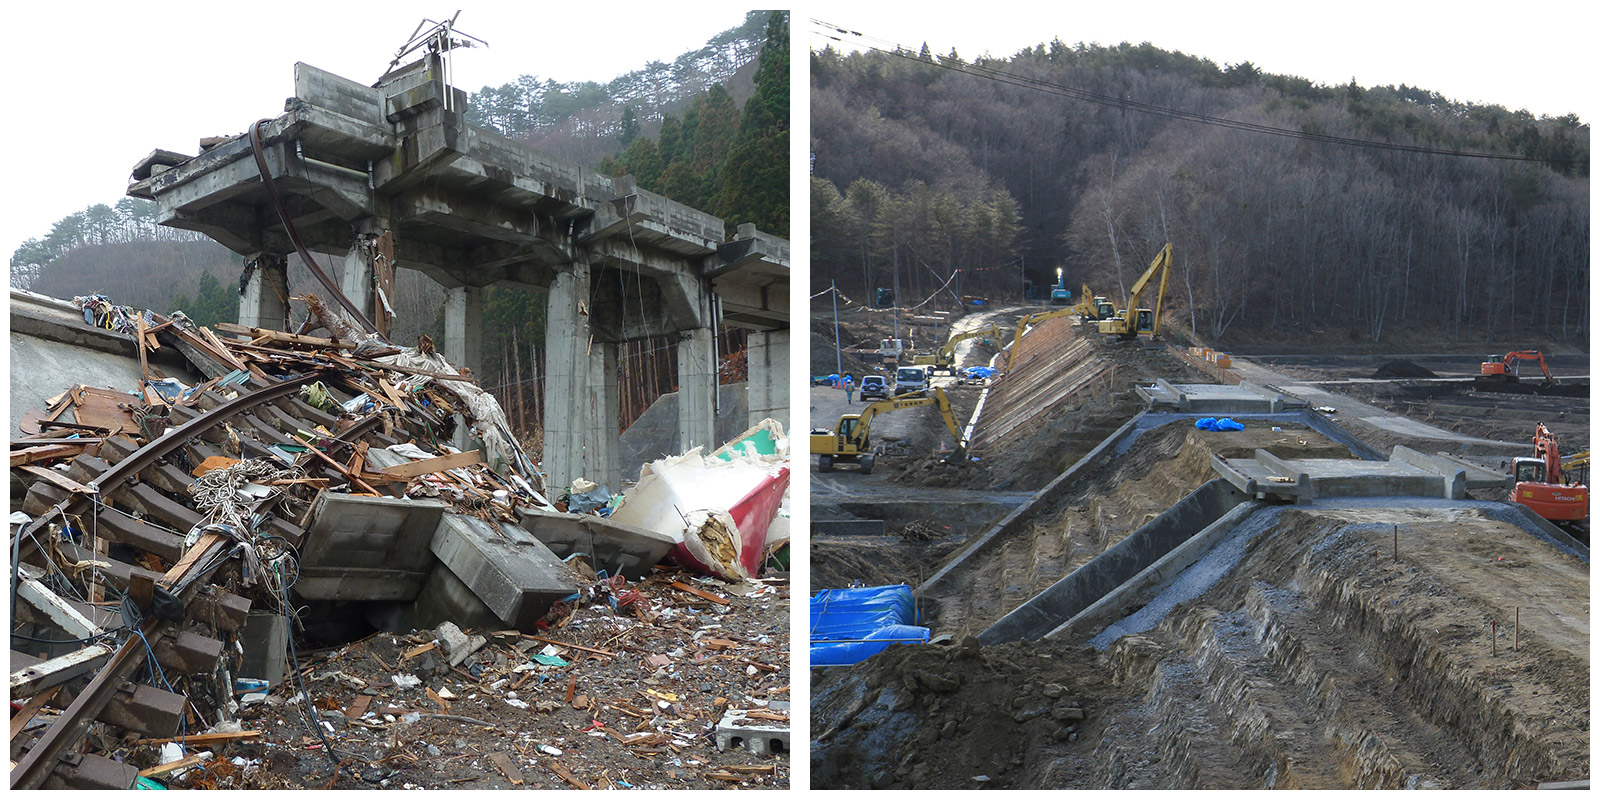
{"x":96,"y":87}
{"x":1535,"y":55}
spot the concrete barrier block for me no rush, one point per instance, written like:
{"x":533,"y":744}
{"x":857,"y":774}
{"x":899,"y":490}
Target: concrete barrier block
{"x":617,"y":548}
{"x":517,"y":581}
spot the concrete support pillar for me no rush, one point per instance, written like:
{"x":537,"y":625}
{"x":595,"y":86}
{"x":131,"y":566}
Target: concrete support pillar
{"x":567,"y":401}
{"x":265,"y":303}
{"x":463,"y":328}
{"x":697,"y":389}
{"x":767,"y":354}
{"x":357,"y":282}
{"x":604,"y":438}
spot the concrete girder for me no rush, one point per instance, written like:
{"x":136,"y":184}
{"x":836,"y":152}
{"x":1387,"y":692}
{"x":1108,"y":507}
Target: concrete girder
{"x":473,"y":216}
{"x":763,"y":307}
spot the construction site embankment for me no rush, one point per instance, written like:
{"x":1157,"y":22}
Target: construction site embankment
{"x":1139,"y":624}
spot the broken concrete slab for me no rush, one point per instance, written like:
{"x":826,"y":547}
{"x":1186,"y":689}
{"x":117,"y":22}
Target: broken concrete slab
{"x":368,"y":548}
{"x":443,"y":598}
{"x":518,"y":581}
{"x":457,"y":645}
{"x":613,"y":546}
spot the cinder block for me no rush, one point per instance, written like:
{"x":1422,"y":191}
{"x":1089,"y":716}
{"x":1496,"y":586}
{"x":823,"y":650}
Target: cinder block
{"x":760,"y":737}
{"x":518,"y":581}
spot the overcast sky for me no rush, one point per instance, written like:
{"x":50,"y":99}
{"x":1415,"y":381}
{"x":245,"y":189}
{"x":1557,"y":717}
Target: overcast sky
{"x":96,"y":87}
{"x":1535,"y":55}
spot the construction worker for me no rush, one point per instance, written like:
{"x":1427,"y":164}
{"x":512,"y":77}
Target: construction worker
{"x":849,"y":390}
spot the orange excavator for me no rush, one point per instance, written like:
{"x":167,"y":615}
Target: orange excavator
{"x":1504,"y":369}
{"x":1540,"y":485}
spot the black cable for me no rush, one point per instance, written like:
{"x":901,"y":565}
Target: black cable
{"x":1059,"y":90}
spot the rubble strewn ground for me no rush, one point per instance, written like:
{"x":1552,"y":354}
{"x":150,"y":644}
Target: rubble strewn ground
{"x":204,"y":567}
{"x":624,"y":702}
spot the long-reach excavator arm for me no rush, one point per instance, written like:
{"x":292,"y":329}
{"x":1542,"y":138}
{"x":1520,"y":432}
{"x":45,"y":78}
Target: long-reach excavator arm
{"x":1139,"y":319}
{"x":851,"y":439}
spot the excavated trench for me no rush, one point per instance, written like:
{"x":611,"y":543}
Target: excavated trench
{"x":1316,"y":661}
{"x":1348,"y":644}
{"x":1107,"y":500}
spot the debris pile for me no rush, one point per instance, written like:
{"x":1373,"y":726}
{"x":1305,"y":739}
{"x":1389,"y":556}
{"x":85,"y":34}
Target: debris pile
{"x":181,"y":550}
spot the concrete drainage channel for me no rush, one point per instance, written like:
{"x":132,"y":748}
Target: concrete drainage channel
{"x":1119,"y":443}
{"x":1159,"y":551}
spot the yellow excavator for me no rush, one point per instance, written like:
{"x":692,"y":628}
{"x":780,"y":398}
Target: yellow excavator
{"x":1136,"y":320}
{"x":1092,"y":307}
{"x":851,"y":440}
{"x":945,"y":358}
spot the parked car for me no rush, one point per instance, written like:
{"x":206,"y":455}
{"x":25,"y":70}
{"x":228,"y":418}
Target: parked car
{"x":874,"y":386}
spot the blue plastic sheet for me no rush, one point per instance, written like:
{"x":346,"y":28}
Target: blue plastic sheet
{"x":1215,"y":424}
{"x":980,"y":372}
{"x":849,"y":625}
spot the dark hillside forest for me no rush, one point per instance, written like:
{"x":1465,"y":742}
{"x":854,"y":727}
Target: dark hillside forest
{"x":709,"y":130}
{"x":1274,"y":237}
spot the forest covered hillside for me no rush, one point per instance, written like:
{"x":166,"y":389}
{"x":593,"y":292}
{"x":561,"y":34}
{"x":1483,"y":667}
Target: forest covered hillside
{"x":1293,"y":208}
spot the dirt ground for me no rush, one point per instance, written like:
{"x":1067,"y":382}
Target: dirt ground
{"x":1312,"y":659}
{"x":630,"y":700}
{"x":1318,"y":662}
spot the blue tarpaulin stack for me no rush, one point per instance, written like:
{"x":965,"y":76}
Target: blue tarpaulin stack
{"x":850,"y":625}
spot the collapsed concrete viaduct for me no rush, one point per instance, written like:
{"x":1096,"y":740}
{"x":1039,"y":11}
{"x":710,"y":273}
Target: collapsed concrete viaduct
{"x":391,"y":175}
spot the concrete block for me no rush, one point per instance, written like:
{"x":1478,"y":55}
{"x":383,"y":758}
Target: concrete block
{"x":517,"y":581}
{"x":86,"y":771}
{"x":457,"y":645}
{"x":443,"y":598}
{"x":265,"y":639}
{"x":759,"y":737}
{"x":611,"y":546}
{"x":214,"y":606}
{"x":189,"y":653}
{"x":138,"y":707}
{"x":368,"y":548}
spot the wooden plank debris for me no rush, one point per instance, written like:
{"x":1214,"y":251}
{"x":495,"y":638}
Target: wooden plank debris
{"x":507,"y":768}
{"x":57,"y":479}
{"x":203,"y":739}
{"x":428,"y":466}
{"x":701,"y":593}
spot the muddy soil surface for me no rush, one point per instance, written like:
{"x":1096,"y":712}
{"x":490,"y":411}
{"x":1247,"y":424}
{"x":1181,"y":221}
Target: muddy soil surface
{"x":1317,"y":661}
{"x":1487,"y":415}
{"x":637,"y":709}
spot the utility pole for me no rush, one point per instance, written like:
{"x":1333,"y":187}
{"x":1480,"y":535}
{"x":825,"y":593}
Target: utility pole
{"x":896,"y":307}
{"x":838,"y":354}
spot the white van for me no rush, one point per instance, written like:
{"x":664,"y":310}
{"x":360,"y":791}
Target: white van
{"x":912,"y":380}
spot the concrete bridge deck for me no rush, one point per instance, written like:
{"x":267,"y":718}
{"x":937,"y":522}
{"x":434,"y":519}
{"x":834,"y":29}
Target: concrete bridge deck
{"x":391,"y":176}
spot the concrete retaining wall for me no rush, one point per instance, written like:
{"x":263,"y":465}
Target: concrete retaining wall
{"x":1111,"y":569}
